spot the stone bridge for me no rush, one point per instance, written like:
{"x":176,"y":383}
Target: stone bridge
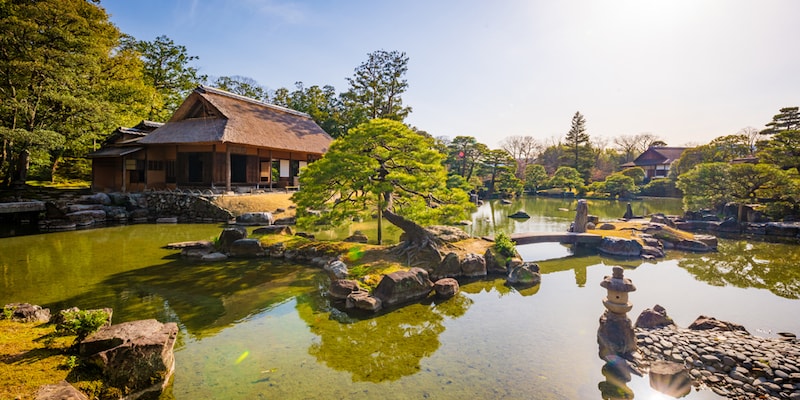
{"x":556,"y":237}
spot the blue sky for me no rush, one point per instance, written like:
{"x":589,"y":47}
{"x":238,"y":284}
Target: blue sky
{"x":685,"y":70}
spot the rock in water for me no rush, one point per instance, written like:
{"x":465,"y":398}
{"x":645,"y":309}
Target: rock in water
{"x":654,"y":318}
{"x":581,"y":217}
{"x":403,"y":286}
{"x":446,"y":287}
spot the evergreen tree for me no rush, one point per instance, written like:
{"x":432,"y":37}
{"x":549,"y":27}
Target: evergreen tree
{"x":166,"y":68}
{"x":376,"y":88}
{"x":786,"y":120}
{"x":63,"y":83}
{"x":577,"y":138}
{"x":384,"y":165}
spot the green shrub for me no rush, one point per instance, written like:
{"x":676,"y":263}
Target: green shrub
{"x":504,"y":245}
{"x":82,"y":323}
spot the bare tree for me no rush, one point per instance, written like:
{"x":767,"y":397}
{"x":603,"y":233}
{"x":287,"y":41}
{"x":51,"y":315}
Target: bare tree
{"x":627,"y":145}
{"x":647,"y":139}
{"x":524,"y":149}
{"x":752,"y":137}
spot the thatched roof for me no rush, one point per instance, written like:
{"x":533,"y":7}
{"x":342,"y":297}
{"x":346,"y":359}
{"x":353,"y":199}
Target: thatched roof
{"x":211,"y":115}
{"x":659,"y":156}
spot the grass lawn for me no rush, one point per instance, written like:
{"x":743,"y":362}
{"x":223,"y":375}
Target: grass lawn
{"x":28,"y":360}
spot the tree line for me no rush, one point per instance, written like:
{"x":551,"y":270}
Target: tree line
{"x":68,"y":77}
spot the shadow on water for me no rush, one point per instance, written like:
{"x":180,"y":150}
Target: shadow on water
{"x":202,"y":298}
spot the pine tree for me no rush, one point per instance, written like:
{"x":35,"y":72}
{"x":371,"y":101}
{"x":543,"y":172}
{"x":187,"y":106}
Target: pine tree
{"x":577,"y":137}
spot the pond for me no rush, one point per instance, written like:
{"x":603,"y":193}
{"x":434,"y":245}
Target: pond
{"x":258,"y":329}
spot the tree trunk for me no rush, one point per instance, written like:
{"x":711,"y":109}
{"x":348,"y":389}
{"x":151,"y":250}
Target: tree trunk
{"x":420,"y":246}
{"x":21,"y":173}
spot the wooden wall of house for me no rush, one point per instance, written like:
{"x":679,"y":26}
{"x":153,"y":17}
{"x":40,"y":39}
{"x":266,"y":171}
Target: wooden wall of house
{"x":106,"y":173}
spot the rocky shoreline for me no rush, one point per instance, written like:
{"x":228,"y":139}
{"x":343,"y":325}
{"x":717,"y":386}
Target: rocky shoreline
{"x":724,"y":357}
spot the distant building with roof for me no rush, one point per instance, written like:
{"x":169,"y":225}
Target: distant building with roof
{"x":656,"y":161}
{"x":215,"y":139}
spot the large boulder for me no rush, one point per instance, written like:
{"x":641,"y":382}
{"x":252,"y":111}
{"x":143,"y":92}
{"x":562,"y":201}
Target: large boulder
{"x":135,"y":357}
{"x":274,"y":230}
{"x":692,"y":245}
{"x":496,"y":263}
{"x":59,"y":391}
{"x":363,"y":301}
{"x":581,"y":217}
{"x":620,"y":247}
{"x":655,"y":317}
{"x":25,"y":312}
{"x":340,"y":289}
{"x":337,"y":269}
{"x":87,"y":217}
{"x":246,"y":248}
{"x":708,"y":323}
{"x":448,"y":234}
{"x":450,"y":267}
{"x":403,"y":286}
{"x":255,"y":218}
{"x":446,"y":287}
{"x":662,"y":219}
{"x":473,"y":265}
{"x":230,"y":235}
{"x":96,"y":198}
{"x":524,"y":275}
{"x":708,"y":240}
{"x":357,"y":237}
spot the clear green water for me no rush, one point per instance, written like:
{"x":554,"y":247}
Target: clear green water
{"x":256,"y":329}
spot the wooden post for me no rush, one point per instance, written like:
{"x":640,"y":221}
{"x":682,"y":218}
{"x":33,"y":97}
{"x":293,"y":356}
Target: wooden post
{"x":270,"y":170}
{"x":227,"y":167}
{"x":123,"y":175}
{"x":213,"y":162}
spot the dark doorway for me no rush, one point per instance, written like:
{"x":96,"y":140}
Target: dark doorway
{"x":238,"y":168}
{"x":195,"y":161}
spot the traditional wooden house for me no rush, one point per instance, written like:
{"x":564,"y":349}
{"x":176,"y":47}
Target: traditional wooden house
{"x":656,"y":161}
{"x":217,"y":140}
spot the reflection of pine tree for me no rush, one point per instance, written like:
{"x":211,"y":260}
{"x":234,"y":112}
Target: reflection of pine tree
{"x":378,"y":349}
{"x":749,"y":265}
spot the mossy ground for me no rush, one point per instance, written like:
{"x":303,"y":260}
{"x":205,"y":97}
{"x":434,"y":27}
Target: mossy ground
{"x":634,"y":228}
{"x":29,"y":360}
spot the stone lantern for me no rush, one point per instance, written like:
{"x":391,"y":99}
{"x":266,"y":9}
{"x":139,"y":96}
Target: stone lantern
{"x":615,"y":334}
{"x":618,"y":288}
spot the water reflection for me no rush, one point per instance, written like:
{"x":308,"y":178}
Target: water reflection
{"x":384,"y":347}
{"x":749,"y":265}
{"x":202,"y":298}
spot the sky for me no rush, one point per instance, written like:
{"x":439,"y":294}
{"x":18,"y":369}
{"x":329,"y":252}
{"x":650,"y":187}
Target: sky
{"x":687,"y":71}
